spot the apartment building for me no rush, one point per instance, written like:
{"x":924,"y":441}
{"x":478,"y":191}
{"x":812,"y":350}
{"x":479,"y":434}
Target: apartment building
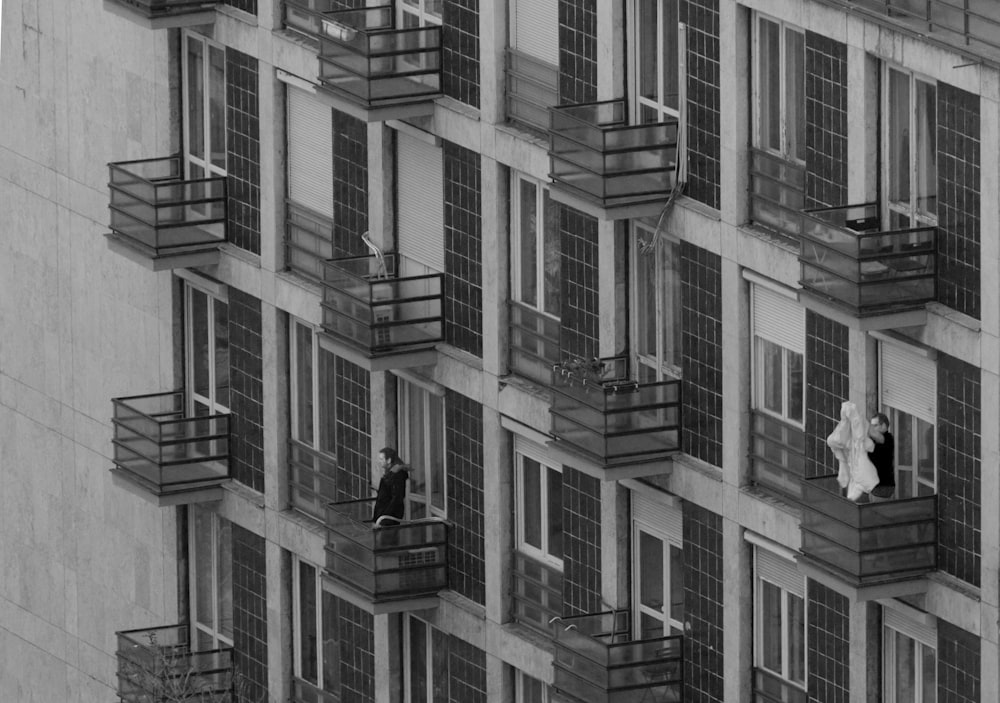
{"x":602,"y":271}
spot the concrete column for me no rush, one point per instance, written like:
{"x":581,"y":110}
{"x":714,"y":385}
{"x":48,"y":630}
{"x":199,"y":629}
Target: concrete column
{"x":865,"y":657}
{"x":862,"y":367}
{"x":499,"y":686}
{"x":735,"y":374}
{"x":388,"y":662}
{"x":274,"y":332}
{"x":279,"y":615}
{"x":615,"y":565}
{"x":272,"y":161}
{"x":734,"y":39}
{"x":862,"y":132}
{"x":495,"y":261}
{"x":737,"y":613}
{"x":498,"y":514}
{"x":381,"y":185}
{"x":610,"y":50}
{"x":492,"y":44}
{"x":607,"y":282}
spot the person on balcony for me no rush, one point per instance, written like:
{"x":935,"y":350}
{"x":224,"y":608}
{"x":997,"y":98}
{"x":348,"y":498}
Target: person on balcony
{"x":390,"y":501}
{"x":883,"y":456}
{"x":850,"y":444}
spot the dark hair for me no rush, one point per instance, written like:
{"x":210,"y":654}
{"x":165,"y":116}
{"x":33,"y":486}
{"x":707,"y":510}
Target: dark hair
{"x":882,"y":418}
{"x":390,"y":454}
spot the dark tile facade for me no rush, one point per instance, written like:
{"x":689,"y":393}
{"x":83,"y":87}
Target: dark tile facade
{"x":243,"y":150}
{"x":826,"y":121}
{"x":463,"y":249}
{"x":350,"y":184}
{"x":958,"y":667}
{"x":250,"y":613}
{"x":357,"y":653}
{"x":703,"y":99}
{"x":464,"y":455}
{"x":827,"y":386}
{"x":580,"y":314}
{"x":354,"y":460}
{"x":959,"y":452}
{"x":958,"y":255}
{"x":701,"y":352}
{"x":466,"y":672}
{"x":703,"y":662}
{"x":246,"y":393}
{"x":577,"y":51}
{"x":581,"y":519}
{"x":460,"y":51}
{"x":245,"y":5}
{"x":828,"y":641}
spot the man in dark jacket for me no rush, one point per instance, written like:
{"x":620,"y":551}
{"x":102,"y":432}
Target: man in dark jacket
{"x":390,"y":500}
{"x":883,"y":456}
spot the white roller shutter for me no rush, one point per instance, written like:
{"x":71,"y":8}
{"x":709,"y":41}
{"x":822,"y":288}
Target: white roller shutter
{"x":779,"y":571}
{"x":779,"y":318}
{"x":536,"y":29}
{"x":420,"y":201}
{"x":925,"y":634}
{"x":908,"y":381}
{"x":666,"y":519}
{"x":310,"y":152}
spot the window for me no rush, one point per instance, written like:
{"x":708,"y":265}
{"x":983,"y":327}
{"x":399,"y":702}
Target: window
{"x":420,"y":13}
{"x":910,"y":149}
{"x":425,"y":666}
{"x":778,"y":348}
{"x":909,"y":670}
{"x":316,"y":640}
{"x":656,"y":305}
{"x":780,"y":622}
{"x":206,"y":335}
{"x":211,"y":579}
{"x":421,"y":445}
{"x":528,"y":689}
{"x":313,"y":398}
{"x":539,"y":506}
{"x":908,"y":385}
{"x":658,"y":568}
{"x":204,"y":76}
{"x":780,"y":125}
{"x":535,"y":262}
{"x":655,"y":59}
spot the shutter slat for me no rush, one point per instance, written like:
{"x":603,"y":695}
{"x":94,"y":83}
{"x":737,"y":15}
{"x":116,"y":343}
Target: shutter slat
{"x":779,"y":571}
{"x":926,"y":634}
{"x":536,"y":29}
{"x":908,"y":381}
{"x":660,"y":516}
{"x":310,"y":152}
{"x":779,"y":319}
{"x":420,"y":202}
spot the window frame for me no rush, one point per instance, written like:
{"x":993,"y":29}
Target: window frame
{"x":424,"y":17}
{"x":759,"y":367}
{"x":667,"y":298}
{"x":520,"y":683}
{"x":759,"y":646}
{"x":426,"y":462}
{"x":220,"y":529}
{"x":542,"y":554}
{"x":517,"y":241}
{"x":331,"y":687}
{"x":785,"y":152}
{"x":889,"y":657}
{"x":635,"y":48}
{"x":671,"y":625}
{"x":895,"y":209}
{"x":435,"y":666}
{"x":204,"y":161}
{"x":212,"y":403}
{"x":323,"y":388}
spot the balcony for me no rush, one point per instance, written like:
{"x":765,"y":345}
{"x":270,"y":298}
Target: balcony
{"x":308,"y":241}
{"x":163,"y":14}
{"x":881,"y":548}
{"x":166,"y":454}
{"x":312,"y":478}
{"x":603,"y":166}
{"x":159,"y":664}
{"x":390,"y":319}
{"x":863,"y":275}
{"x":537,"y":594}
{"x":597,"y":661}
{"x":624,"y":427}
{"x":777,"y":455}
{"x":384,"y":569}
{"x":162,"y":219}
{"x":777,"y":193}
{"x":534,"y":343}
{"x":532,"y":88}
{"x":374,"y":70}
{"x":768,"y":688}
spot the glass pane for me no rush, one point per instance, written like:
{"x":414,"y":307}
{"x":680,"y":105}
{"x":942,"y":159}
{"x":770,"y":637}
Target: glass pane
{"x":768,"y":85}
{"x":795,"y":94}
{"x":221,"y":353}
{"x":796,"y":639}
{"x":531,"y":508}
{"x":676,"y":584}
{"x":651,"y":586}
{"x":224,"y":579}
{"x":217,"y":106}
{"x":554,"y":512}
{"x":925,"y":446}
{"x":770,"y":376}
{"x":926,"y":148}
{"x":532,"y":690}
{"x":303,"y":385}
{"x":418,"y":661}
{"x":795,"y":386}
{"x":670,"y":57}
{"x":199,"y":343}
{"x":435,"y":427}
{"x":412,"y":420}
{"x":928,"y":674}
{"x":905,"y":669}
{"x":307,"y":623}
{"x":553,"y":264}
{"x":203,"y":568}
{"x":898,"y":127}
{"x":327,"y":402}
{"x":646,"y":24}
{"x":645,"y":294}
{"x":331,"y":643}
{"x":528,"y":234}
{"x":671,"y":286}
{"x":650,"y":627}
{"x":195,"y":98}
{"x":770,"y":627}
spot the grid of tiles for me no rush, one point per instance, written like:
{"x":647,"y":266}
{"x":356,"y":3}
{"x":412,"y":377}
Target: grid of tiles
{"x":577,"y":51}
{"x":464,"y":452}
{"x":827,"y":383}
{"x":243,"y":150}
{"x":703,"y":665}
{"x":958,"y":148}
{"x":581,"y":515}
{"x":828,"y":638}
{"x":958,"y":668}
{"x":246,"y":394}
{"x":463,"y":247}
{"x":250,"y":611}
{"x":959,"y":467}
{"x":580,"y":313}
{"x":354,"y":478}
{"x":826,"y":121}
{"x":466,"y":672}
{"x":703,"y":100}
{"x":350,"y":184}
{"x":245,"y":5}
{"x":701,"y":349}
{"x":460,"y":51}
{"x":357,"y":653}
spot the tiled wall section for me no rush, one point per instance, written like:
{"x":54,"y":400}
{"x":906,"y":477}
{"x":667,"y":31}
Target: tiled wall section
{"x":463,"y":247}
{"x":959,"y":468}
{"x":466,"y":672}
{"x":703,"y":99}
{"x":350,"y":184}
{"x":460,"y":51}
{"x":354,"y":446}
{"x":827,"y":382}
{"x":701,"y":349}
{"x":250,"y":613}
{"x":958,"y":677}
{"x":464,"y":451}
{"x":577,"y":51}
{"x":826,"y":121}
{"x":703,"y":664}
{"x":958,"y":199}
{"x":580,"y":316}
{"x":245,"y":5}
{"x":581,"y":518}
{"x":243,"y":150}
{"x":246,"y":395}
{"x":828,"y":641}
{"x":357,"y":653}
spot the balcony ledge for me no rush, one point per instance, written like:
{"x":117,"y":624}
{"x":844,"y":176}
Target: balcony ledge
{"x":133,"y":484}
{"x":385,"y":362}
{"x":564,"y":451}
{"x":374,"y":113}
{"x":162,"y":262}
{"x":187,"y":19}
{"x":890,"y":319}
{"x":355,"y":597}
{"x":818,"y":571}
{"x":611,"y":212}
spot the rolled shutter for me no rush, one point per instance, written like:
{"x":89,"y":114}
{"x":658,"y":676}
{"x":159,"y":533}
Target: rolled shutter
{"x":926,"y":634}
{"x":779,"y":571}
{"x":665,"y":519}
{"x":310,"y":152}
{"x":908,"y":381}
{"x":779,"y":318}
{"x":420,"y":202}
{"x":536,"y":29}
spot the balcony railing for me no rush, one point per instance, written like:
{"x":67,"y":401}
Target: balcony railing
{"x":537,"y":593}
{"x":308,"y":241}
{"x":598,"y":158}
{"x":165,"y":449}
{"x":305,"y":692}
{"x":312,"y":477}
{"x":868,"y":543}
{"x":778,"y":455}
{"x":534,"y":343}
{"x":159,"y":664}
{"x":392,"y":563}
{"x":166,"y":13}
{"x":167,"y":218}
{"x":370,"y":304}
{"x":777,"y":193}
{"x":612,"y":420}
{"x":597,"y":661}
{"x":847,"y":258}
{"x":768,"y":688}
{"x":532,"y":88}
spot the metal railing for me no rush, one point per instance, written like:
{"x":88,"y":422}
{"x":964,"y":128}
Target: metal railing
{"x":312,"y":478}
{"x":532,"y":88}
{"x":534,"y":343}
{"x":308,"y":241}
{"x":537,"y":593}
{"x":777,"y":193}
{"x":777,"y":455}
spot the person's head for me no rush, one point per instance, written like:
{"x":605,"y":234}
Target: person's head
{"x":879,"y":423}
{"x":387,"y":457}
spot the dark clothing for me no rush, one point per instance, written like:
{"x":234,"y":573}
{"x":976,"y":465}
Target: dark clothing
{"x":391,"y":497}
{"x":884,"y":459}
